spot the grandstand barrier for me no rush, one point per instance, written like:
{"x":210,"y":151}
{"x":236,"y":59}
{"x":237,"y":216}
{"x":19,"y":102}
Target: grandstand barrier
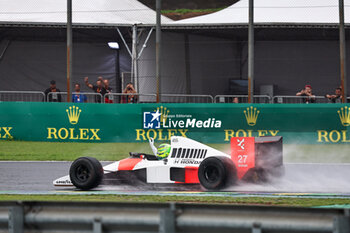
{"x":91,"y":97}
{"x":186,"y":98}
{"x":208,"y":123}
{"x":99,"y":217}
{"x":141,"y":98}
{"x":38,"y":96}
{"x":301,"y":99}
{"x":265,"y":99}
{"x":22,"y":96}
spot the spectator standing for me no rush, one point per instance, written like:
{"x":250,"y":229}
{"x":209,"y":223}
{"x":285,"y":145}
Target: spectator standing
{"x":337,"y":97}
{"x":309,"y":97}
{"x":98,"y":88}
{"x":130,"y":98}
{"x":109,"y":98}
{"x":77,"y":96}
{"x":54,"y":96}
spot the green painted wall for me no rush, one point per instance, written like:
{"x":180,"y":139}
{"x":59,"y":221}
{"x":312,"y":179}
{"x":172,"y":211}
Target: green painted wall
{"x":209,"y":123}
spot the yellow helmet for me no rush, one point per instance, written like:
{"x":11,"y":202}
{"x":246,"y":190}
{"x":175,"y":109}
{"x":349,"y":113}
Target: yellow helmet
{"x":163,"y":150}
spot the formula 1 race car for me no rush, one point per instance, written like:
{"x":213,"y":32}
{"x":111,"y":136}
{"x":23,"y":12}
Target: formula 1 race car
{"x":252,"y":159}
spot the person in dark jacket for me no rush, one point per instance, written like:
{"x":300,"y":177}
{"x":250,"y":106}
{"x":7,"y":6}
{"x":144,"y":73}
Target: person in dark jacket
{"x":52,"y":93}
{"x":98,"y":88}
{"x":337,"y":97}
{"x":306,"y":93}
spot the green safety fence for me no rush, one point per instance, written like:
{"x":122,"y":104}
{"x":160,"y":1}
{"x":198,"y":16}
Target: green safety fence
{"x":208,"y":123}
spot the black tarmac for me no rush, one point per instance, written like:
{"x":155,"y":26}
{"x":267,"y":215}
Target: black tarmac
{"x":37,"y":177}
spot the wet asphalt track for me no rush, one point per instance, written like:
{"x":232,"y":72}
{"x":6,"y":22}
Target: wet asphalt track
{"x":300,"y":180}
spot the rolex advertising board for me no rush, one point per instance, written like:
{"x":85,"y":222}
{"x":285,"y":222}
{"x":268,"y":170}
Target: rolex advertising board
{"x":208,"y":123}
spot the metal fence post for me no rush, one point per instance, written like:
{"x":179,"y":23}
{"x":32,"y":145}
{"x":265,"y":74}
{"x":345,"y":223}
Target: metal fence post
{"x":341,"y":224}
{"x":69,"y":50}
{"x":97,"y":226}
{"x":16,"y":219}
{"x":256,"y":228}
{"x":135,"y":78}
{"x":251,"y":52}
{"x":158,"y":49}
{"x":342,"y":43}
{"x":167,"y":220}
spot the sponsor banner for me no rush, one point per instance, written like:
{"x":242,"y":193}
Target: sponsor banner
{"x":208,"y":123}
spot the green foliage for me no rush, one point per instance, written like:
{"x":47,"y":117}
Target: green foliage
{"x":185,"y":11}
{"x":275,"y":201}
{"x":64,"y":151}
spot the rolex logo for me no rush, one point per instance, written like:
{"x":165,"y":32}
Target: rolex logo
{"x":164,"y":112}
{"x":344,"y":115}
{"x":251,"y":115}
{"x":73,"y":114}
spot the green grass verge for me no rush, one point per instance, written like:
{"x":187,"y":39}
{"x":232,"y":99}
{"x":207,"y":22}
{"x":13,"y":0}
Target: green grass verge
{"x":278,"y":201}
{"x":61,"y":151}
{"x":185,"y":11}
{"x":65,"y":151}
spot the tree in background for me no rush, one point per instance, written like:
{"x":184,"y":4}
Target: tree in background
{"x":190,"y":4}
{"x":182,"y":9}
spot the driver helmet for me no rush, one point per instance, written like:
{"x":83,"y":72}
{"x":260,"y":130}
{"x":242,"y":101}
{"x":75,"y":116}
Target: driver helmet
{"x":163,"y":151}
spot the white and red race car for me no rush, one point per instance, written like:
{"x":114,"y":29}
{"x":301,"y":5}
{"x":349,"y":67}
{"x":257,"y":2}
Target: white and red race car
{"x":189,"y":162}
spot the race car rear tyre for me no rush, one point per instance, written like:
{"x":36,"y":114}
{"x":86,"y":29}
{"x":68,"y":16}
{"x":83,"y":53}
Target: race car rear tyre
{"x":86,"y":173}
{"x":217,"y":172}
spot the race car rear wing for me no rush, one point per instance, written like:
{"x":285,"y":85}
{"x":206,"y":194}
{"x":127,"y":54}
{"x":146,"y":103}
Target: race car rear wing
{"x":268,"y":152}
{"x":256,"y":152}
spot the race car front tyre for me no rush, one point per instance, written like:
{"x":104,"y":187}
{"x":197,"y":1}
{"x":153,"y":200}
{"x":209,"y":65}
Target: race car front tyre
{"x":216,"y":173}
{"x":86,"y":173}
